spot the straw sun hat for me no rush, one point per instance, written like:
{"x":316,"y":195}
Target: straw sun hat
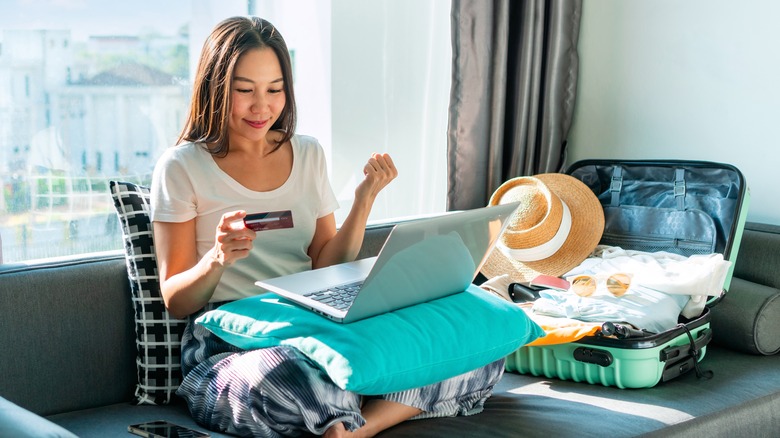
{"x":558,"y":224}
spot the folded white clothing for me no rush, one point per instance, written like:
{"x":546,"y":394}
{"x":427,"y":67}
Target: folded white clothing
{"x":663,"y":287}
{"x":697,"y":276}
{"x":643,"y":308}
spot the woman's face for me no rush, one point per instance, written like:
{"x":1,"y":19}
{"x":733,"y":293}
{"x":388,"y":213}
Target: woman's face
{"x":257,"y":90}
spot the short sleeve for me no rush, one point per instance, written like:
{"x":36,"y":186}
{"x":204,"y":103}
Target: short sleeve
{"x":172,"y":193}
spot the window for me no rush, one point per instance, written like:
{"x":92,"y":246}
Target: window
{"x":92,"y":91}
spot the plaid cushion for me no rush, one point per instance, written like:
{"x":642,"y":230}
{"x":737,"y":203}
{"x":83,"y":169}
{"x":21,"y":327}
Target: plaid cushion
{"x":158,"y":335}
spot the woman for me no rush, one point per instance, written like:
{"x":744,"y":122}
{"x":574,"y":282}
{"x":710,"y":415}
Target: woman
{"x":238,"y":154}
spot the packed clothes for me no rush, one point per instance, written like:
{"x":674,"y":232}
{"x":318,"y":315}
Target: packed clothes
{"x":663,"y":286}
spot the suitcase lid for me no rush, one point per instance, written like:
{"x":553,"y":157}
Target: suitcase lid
{"x":681,"y":206}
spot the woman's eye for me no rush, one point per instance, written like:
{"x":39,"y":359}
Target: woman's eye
{"x":275,"y":91}
{"x":244,"y":90}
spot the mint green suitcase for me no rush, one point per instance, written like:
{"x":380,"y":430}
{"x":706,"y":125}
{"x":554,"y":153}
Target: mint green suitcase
{"x":643,"y":204}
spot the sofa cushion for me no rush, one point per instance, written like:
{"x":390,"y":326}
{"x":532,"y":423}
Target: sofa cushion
{"x":158,"y":334}
{"x":742,"y":400}
{"x":407,"y":348}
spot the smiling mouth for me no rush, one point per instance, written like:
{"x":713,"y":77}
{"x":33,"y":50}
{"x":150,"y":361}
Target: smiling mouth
{"x":258,"y":124}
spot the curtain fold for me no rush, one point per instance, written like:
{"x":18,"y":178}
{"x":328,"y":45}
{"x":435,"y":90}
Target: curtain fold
{"x":514,"y":79}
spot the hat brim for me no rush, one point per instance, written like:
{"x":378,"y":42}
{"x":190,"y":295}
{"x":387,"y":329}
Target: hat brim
{"x":586,"y":230}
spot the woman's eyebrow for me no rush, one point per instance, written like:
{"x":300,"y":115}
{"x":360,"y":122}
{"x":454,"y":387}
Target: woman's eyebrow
{"x":243,"y":79}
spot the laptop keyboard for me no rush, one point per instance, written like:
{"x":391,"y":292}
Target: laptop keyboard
{"x":340,"y":297}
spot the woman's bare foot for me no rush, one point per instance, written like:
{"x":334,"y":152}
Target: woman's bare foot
{"x":379,"y":415}
{"x":337,"y":431}
{"x":383,"y":414}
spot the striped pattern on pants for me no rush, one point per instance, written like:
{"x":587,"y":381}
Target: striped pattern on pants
{"x":277,"y":391}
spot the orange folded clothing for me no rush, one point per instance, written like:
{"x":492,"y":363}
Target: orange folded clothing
{"x":561,"y":330}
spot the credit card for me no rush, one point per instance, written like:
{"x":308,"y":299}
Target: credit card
{"x":271,"y":220}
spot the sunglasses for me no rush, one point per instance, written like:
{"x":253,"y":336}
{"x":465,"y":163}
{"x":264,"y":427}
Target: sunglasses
{"x":585,"y":285}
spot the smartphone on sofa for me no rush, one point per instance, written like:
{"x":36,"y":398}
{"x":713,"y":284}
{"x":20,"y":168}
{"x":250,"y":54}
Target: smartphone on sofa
{"x":164,"y":429}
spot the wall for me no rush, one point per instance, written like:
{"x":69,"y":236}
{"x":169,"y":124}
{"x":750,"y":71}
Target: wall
{"x":685,"y":80}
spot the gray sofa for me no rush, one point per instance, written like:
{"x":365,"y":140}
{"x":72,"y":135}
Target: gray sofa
{"x":67,"y":363}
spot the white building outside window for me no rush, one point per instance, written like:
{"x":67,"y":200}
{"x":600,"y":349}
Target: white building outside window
{"x":92,"y":91}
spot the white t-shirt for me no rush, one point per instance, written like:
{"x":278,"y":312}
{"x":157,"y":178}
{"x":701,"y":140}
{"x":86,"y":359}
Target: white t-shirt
{"x":187,"y":184}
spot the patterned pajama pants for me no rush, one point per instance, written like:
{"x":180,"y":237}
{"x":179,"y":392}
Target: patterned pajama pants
{"x":277,"y":391}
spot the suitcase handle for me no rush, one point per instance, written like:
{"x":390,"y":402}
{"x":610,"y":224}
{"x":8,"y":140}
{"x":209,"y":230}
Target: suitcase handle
{"x":694,"y":347}
{"x":684,"y":357}
{"x":673,"y":370}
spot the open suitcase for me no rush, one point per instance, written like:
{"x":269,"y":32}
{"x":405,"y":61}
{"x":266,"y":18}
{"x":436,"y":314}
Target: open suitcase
{"x":683,"y":207}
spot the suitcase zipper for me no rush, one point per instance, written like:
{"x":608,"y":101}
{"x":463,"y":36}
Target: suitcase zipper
{"x":685,"y":247}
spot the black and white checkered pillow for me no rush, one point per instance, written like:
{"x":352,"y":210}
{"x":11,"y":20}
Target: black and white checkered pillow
{"x":158,"y":334}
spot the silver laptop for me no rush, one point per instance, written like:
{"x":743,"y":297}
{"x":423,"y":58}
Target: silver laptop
{"x":421,"y":260}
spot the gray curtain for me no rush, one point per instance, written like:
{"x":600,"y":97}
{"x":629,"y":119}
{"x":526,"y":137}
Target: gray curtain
{"x":514,"y":78}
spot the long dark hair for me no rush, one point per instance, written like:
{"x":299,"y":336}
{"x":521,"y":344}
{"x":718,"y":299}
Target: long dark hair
{"x":211,"y":102}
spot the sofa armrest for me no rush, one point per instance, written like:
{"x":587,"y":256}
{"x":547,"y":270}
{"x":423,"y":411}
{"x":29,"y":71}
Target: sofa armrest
{"x":68,"y":340}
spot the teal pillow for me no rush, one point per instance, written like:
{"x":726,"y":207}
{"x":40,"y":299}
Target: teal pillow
{"x":396,"y":351}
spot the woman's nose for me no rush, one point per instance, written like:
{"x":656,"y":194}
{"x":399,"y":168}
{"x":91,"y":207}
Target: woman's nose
{"x":258,"y":103}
